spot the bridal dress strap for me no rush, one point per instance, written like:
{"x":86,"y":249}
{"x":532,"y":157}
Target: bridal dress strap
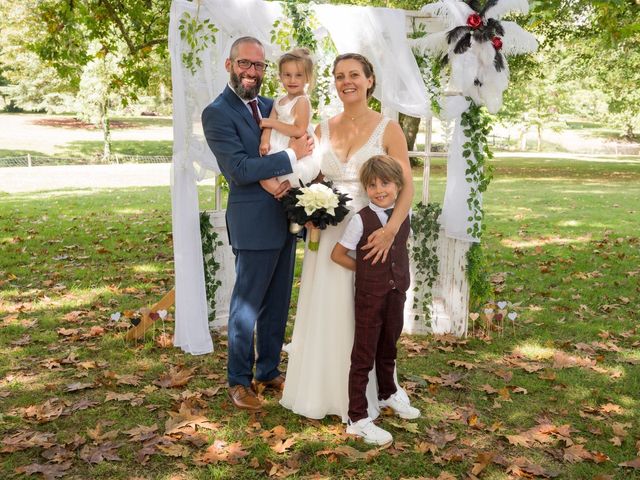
{"x":378,"y":133}
{"x":324,"y":131}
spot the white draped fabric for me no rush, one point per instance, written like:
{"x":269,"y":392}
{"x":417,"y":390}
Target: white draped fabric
{"x":455,"y":211}
{"x":379,"y":34}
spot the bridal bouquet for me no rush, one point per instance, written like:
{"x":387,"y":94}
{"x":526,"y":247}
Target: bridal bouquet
{"x":318,"y":203}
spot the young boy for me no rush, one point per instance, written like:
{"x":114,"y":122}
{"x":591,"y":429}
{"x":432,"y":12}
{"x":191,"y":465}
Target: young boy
{"x":379,"y":300}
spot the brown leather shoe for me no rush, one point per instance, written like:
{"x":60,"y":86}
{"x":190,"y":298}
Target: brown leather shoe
{"x":244,"y":398}
{"x":273,"y":384}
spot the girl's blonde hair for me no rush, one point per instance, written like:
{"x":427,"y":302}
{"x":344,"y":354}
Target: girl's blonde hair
{"x":302,"y":56}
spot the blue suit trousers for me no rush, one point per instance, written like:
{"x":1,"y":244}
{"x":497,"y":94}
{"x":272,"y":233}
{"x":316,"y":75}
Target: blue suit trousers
{"x":260,"y":302}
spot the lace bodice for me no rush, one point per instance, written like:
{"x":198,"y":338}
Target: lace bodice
{"x":344,"y":175}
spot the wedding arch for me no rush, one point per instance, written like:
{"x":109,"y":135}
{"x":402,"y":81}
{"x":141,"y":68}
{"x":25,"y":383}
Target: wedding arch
{"x":200,"y":36}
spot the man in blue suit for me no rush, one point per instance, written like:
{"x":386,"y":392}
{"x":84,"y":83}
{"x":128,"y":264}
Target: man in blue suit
{"x":257,"y":224}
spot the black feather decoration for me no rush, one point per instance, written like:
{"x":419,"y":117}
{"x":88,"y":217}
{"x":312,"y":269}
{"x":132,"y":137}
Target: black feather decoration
{"x":496,"y":27}
{"x":475,"y":4}
{"x":477,"y":82}
{"x":463,"y":44}
{"x":487,"y":6}
{"x":455,"y":33}
{"x":498,"y":61}
{"x":444,"y":61}
{"x":482,"y":35}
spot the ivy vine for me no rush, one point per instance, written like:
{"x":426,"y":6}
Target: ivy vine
{"x":198,"y":35}
{"x":480,"y":290}
{"x":476,"y":123}
{"x":210,"y":242}
{"x":426,"y":230}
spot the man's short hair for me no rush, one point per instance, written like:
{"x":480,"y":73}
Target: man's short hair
{"x":384,"y":167}
{"x":233,"y":53}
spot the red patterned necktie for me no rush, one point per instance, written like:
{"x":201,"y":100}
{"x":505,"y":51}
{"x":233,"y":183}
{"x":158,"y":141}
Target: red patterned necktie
{"x":254,"y":110}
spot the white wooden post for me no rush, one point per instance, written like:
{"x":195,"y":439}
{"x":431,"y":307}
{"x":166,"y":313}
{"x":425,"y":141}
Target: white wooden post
{"x":227,"y":272}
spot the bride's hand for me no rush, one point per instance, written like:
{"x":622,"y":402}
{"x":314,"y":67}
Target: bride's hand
{"x":379,"y":242}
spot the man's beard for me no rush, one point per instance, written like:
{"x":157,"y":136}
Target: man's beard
{"x":245,"y":93}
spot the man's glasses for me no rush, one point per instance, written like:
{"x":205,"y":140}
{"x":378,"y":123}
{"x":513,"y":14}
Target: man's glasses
{"x":246,"y":65}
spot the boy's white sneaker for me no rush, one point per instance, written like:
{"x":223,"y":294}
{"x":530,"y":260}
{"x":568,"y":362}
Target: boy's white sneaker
{"x":369,"y":432}
{"x":400,"y":407}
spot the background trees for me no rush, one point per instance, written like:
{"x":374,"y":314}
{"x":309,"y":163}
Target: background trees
{"x":588,"y":62}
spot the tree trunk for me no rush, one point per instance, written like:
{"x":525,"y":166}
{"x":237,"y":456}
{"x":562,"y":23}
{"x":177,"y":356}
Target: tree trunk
{"x":629,"y":135}
{"x":539,"y":129}
{"x":410,"y":127}
{"x":106,"y":131}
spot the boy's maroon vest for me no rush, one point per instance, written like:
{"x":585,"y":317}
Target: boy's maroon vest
{"x":378,"y":279}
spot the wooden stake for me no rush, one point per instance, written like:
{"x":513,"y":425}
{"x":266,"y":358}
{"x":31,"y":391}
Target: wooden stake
{"x":139,"y":330}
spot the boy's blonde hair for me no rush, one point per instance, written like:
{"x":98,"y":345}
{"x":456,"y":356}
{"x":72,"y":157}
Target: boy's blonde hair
{"x":383,"y":167}
{"x":302,"y":56}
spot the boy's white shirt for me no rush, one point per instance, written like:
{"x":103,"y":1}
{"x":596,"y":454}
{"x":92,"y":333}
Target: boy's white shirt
{"x":353,"y":233}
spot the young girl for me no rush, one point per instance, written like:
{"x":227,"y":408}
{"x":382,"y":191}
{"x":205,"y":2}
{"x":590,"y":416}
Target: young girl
{"x":290,"y":117}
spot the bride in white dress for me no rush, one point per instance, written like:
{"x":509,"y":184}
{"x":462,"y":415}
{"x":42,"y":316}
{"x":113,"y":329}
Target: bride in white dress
{"x":320,"y":350}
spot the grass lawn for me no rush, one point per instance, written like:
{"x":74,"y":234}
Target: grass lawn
{"x":120,"y":147}
{"x":559,"y":397}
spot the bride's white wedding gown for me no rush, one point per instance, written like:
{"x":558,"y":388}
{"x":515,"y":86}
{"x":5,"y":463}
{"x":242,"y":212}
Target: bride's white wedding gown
{"x":320,"y":351}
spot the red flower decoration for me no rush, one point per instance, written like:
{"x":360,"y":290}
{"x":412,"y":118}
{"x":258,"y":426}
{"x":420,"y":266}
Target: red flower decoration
{"x":474,"y":20}
{"x":497,"y":43}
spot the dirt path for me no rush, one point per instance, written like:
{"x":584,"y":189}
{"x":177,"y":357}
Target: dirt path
{"x":23,"y":179}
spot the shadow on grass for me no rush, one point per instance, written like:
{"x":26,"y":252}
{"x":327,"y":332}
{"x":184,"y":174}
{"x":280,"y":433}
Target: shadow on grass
{"x":19,"y":153}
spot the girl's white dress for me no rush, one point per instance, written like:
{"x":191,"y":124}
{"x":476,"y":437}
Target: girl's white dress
{"x":320,"y":350}
{"x":305,"y":169}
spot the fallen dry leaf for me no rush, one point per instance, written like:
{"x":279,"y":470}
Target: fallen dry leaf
{"x":186,"y":418}
{"x":48,"y":470}
{"x":176,"y":377}
{"x":142,"y":433}
{"x":351,"y":453}
{"x":26,"y":439}
{"x":75,"y":387}
{"x":576,"y":453}
{"x":281,"y":446}
{"x":107,"y":451}
{"x":635,"y":464}
{"x":220,"y":451}
{"x":483,"y":460}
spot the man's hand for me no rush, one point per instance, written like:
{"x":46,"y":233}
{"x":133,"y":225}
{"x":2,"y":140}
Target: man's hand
{"x":302,"y":146}
{"x":264,"y":148}
{"x":282,"y":189}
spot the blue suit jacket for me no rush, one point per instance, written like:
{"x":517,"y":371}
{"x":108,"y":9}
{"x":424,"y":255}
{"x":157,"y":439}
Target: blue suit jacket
{"x":255,"y":220}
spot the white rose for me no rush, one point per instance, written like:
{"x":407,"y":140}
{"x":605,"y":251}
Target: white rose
{"x":318,"y":196}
